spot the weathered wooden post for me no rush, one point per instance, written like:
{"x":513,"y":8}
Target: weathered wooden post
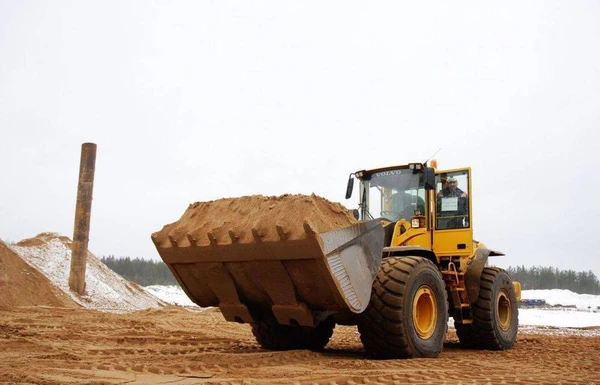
{"x":83,"y":210}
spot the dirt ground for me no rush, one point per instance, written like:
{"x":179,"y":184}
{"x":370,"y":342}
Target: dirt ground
{"x":58,"y":345}
{"x":45,"y":338}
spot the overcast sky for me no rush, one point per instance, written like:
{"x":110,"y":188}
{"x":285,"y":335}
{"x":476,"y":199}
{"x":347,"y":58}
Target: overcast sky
{"x":198,"y":100}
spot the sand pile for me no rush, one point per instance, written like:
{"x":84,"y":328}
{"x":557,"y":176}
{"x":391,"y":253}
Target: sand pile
{"x":105,"y":290}
{"x":22,"y":285}
{"x":203,"y":220}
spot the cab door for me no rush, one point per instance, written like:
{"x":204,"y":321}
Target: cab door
{"x":453,"y":220}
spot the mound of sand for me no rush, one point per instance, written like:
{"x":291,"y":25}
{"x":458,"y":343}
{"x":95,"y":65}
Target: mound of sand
{"x":105,"y":290}
{"x":23,"y":285}
{"x":203,"y":220}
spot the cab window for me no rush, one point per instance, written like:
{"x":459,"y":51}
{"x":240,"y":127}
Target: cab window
{"x":452,"y":200}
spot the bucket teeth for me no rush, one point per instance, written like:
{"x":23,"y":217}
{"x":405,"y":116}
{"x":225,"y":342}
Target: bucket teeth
{"x":172,"y":240}
{"x":257,"y":234}
{"x":233,"y":236}
{"x":155,"y":240}
{"x":191,"y":239}
{"x":212,"y":238}
{"x":282,"y":234}
{"x":309,"y":228}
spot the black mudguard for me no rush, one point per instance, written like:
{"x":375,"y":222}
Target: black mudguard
{"x":473,"y":274}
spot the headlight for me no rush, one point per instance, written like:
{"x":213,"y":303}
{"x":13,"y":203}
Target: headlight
{"x":415,"y":223}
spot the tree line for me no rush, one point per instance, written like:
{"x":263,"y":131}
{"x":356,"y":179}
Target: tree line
{"x":548,"y":277}
{"x":148,"y":272}
{"x":141,"y":271}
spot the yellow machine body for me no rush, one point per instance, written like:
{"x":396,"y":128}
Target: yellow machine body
{"x":407,"y":251}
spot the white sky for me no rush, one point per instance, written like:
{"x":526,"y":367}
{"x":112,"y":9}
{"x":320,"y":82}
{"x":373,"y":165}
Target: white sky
{"x":199,"y":100}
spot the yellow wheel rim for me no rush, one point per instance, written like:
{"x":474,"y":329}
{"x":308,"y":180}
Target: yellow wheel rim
{"x":424,"y":312}
{"x":503,"y":310}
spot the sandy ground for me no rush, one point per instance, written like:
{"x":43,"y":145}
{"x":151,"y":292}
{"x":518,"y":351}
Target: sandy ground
{"x":47,"y":338}
{"x":50,"y":345}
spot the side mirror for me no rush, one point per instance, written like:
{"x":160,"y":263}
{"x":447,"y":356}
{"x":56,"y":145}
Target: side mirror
{"x":355,"y":213}
{"x":349,"y":187}
{"x":429,"y":176}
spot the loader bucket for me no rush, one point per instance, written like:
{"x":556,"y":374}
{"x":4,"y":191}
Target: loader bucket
{"x":270,"y":253}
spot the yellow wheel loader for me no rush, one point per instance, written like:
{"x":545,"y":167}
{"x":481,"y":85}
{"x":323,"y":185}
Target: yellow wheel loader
{"x":398,"y":267}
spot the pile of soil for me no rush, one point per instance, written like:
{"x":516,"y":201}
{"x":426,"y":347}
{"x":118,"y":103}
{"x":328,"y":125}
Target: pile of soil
{"x":23,"y":285}
{"x":203,"y":220}
{"x":50,"y":255}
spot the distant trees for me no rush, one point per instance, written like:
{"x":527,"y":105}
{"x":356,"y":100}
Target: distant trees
{"x":141,"y":271}
{"x":547,"y":277}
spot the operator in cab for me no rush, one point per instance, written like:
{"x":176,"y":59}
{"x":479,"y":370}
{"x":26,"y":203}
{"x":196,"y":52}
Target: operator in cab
{"x":451,"y":189}
{"x":452,"y":206}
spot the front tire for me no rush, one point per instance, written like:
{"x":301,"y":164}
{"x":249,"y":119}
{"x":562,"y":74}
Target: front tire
{"x":495,"y":314}
{"x":407,"y":314}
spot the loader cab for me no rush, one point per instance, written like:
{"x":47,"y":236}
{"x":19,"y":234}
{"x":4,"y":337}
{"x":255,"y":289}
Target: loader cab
{"x":419,"y":205}
{"x":392,"y":193}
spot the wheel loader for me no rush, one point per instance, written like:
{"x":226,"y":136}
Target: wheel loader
{"x":398,"y":266}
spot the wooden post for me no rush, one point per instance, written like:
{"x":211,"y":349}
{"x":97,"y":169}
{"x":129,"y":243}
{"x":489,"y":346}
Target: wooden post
{"x":83,"y":210}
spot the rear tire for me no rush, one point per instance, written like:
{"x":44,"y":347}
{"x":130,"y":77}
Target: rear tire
{"x":274,"y":336}
{"x":495,"y":314}
{"x":408,"y":312}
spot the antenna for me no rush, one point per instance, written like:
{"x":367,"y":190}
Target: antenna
{"x":438,"y":150}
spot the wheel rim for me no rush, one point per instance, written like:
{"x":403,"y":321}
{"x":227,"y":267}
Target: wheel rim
{"x":424,"y":312}
{"x":503,"y":310}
